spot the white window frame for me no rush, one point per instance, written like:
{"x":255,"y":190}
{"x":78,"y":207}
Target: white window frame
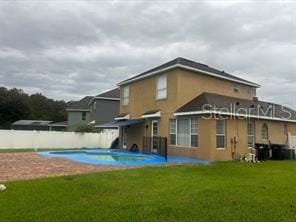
{"x":267,"y":136}
{"x":195,"y":133}
{"x":173,"y":132}
{"x":250,"y":91}
{"x":83,"y":117}
{"x":251,"y":135}
{"x":190,"y":132}
{"x":236,"y":88}
{"x":220,"y":134}
{"x":160,"y":88}
{"x":125,"y":96}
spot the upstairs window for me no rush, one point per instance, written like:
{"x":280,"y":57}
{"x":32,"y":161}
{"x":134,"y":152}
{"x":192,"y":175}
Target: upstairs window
{"x":125,"y":96}
{"x":251,"y":131}
{"x":264,"y":132}
{"x":220,"y":133}
{"x":161,"y":87}
{"x":83,"y":116}
{"x":250,"y":91}
{"x":236,"y":89}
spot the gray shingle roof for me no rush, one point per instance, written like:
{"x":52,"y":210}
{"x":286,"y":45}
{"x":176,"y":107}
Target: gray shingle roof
{"x":151,"y":112}
{"x":114,"y":93}
{"x":220,"y":103}
{"x":191,"y":64}
{"x":64,"y":123}
{"x":81,"y":104}
{"x":32,"y":122}
{"x":121,"y":115}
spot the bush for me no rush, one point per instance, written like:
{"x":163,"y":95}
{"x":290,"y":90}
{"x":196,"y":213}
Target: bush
{"x":84,"y":128}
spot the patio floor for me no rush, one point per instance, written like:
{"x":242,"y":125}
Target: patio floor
{"x":29,"y":165}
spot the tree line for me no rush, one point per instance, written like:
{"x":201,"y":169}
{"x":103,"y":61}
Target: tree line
{"x":15,"y":105}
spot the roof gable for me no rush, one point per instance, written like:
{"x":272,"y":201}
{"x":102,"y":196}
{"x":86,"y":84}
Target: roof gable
{"x":81,"y":104}
{"x":32,"y":122}
{"x":192,"y":66}
{"x":113,"y":93}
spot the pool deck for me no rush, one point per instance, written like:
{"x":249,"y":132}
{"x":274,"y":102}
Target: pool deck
{"x":30,"y":165}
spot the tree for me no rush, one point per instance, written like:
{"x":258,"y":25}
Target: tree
{"x":13,"y":106}
{"x":16,"y":105}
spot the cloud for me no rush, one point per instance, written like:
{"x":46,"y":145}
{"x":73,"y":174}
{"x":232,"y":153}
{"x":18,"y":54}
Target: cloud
{"x":68,"y":49}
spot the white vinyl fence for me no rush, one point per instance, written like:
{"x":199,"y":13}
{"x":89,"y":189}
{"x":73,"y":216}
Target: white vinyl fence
{"x":292,"y":141}
{"x":17,"y":139}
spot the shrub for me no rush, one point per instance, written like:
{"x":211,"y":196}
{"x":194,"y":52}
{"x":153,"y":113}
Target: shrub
{"x":84,"y":128}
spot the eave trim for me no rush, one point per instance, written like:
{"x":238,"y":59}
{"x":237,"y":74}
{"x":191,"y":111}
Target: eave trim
{"x":232,"y":114}
{"x":154,"y":115}
{"x":188,"y":68}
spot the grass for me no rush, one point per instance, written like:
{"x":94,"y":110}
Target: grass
{"x":16,"y":150}
{"x":33,"y":150}
{"x":217,"y":192}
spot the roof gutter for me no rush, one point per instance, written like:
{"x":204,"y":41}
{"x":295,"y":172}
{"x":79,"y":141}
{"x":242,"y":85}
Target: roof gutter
{"x":126,"y":117}
{"x":78,"y":110}
{"x":58,"y":125}
{"x":153,"y":115}
{"x":232,"y":114}
{"x":104,"y":98}
{"x":188,"y":68}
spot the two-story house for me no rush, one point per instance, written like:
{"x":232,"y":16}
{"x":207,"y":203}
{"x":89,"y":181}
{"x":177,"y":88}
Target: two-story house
{"x":104,"y":107}
{"x":205,"y":113}
{"x":94,"y":110}
{"x":79,"y":113}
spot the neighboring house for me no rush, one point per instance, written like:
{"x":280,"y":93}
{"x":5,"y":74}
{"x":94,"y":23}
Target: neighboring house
{"x":79,"y":113}
{"x":104,"y":107}
{"x":178,"y":100}
{"x":39,"y":125}
{"x":94,"y":110}
{"x":58,"y":126}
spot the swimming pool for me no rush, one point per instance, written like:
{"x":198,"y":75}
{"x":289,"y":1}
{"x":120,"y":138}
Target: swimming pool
{"x":115,"y":157}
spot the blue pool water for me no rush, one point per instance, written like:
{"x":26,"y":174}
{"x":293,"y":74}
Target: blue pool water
{"x":115,"y":157}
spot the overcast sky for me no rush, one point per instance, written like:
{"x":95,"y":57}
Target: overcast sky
{"x":68,"y":49}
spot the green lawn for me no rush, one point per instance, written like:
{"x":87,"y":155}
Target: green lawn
{"x":217,"y":192}
{"x":16,"y":150}
{"x":33,"y":150}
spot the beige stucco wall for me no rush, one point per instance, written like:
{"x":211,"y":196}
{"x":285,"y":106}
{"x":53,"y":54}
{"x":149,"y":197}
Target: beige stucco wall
{"x":192,"y":84}
{"x":276,"y":133}
{"x":203,"y":151}
{"x":183,"y":86}
{"x":207,"y":137}
{"x":135,"y":135}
